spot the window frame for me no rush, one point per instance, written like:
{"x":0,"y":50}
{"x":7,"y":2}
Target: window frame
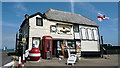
{"x":40,"y":20}
{"x":76,"y":26}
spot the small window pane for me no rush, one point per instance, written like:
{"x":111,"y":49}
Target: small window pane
{"x":84,"y":33}
{"x":95,"y":34}
{"x":90,"y":34}
{"x":71,"y":44}
{"x":76,"y":28}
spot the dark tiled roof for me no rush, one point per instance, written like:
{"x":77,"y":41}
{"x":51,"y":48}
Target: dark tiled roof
{"x":58,"y":15}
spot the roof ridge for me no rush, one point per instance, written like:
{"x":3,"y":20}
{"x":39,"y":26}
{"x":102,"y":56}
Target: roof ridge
{"x":63,"y":11}
{"x":67,"y":12}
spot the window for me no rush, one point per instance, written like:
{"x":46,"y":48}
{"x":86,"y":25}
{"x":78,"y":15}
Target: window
{"x":84,"y":35}
{"x":39,"y":21}
{"x":95,"y":33}
{"x":77,"y":35}
{"x":71,"y":44}
{"x":48,"y":45}
{"x":58,"y":45}
{"x":89,"y":34}
{"x":76,"y":28}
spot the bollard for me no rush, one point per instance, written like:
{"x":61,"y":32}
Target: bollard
{"x":19,"y":62}
{"x":23,"y":60}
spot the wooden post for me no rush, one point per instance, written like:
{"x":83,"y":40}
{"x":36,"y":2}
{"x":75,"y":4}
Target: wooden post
{"x":102,"y":40}
{"x":102,"y":46}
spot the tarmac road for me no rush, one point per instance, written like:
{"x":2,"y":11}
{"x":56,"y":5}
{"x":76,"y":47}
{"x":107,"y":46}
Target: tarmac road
{"x":5,"y":58}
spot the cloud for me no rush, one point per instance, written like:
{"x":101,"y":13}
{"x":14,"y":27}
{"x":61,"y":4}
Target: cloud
{"x":9,"y":25}
{"x":8,"y":39}
{"x":20,"y":14}
{"x":72,"y":6}
{"x":89,"y":7}
{"x":114,"y":20}
{"x":8,"y":34}
{"x":113,"y":25}
{"x":0,"y":22}
{"x":0,"y":34}
{"x":21,"y":7}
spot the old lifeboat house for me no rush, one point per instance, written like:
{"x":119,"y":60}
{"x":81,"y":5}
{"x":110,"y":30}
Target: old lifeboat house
{"x":55,"y":31}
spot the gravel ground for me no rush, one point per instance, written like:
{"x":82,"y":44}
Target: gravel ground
{"x":111,"y":61}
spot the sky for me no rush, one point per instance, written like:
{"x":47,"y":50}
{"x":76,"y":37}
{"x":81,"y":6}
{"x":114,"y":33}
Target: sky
{"x":13,"y":15}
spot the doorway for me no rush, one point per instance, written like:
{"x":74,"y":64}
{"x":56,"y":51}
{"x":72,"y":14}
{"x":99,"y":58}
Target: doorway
{"x":54,"y":48}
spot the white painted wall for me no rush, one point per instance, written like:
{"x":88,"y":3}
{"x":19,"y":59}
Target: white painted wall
{"x":90,"y":46}
{"x":40,"y":31}
{"x":87,"y":45}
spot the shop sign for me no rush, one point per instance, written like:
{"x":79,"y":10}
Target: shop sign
{"x":23,"y":40}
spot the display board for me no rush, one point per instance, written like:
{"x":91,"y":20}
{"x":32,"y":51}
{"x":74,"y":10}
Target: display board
{"x":64,"y":29}
{"x":36,"y":42}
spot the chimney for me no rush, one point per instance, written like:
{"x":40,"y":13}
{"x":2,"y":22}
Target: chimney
{"x":26,"y":16}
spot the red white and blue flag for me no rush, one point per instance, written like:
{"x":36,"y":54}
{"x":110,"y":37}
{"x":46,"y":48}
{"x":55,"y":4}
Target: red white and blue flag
{"x":101,"y":17}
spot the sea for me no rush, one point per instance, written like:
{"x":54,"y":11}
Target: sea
{"x":8,"y":50}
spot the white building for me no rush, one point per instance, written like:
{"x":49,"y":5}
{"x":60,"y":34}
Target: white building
{"x":62,"y":26}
